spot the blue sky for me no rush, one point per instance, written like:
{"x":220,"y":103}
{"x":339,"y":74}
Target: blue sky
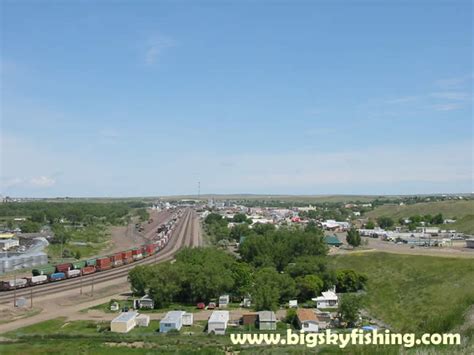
{"x":113,"y":98}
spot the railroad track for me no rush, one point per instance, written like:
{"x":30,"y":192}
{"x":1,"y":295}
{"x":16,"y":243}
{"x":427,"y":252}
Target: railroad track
{"x":182,"y":236}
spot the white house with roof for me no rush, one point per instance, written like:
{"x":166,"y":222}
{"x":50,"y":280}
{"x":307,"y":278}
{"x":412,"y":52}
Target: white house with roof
{"x":125,"y":322}
{"x":328,"y":299}
{"x":217,"y":323}
{"x":172,"y":320}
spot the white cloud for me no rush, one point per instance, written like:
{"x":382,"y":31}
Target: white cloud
{"x":42,"y":181}
{"x":448,"y":106}
{"x":155,"y":47}
{"x":451,"y":95}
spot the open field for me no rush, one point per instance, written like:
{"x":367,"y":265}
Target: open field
{"x":449,"y":209}
{"x":416,"y":293}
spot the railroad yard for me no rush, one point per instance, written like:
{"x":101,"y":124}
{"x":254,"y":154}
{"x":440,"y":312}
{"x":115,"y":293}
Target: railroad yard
{"x":72,"y":295}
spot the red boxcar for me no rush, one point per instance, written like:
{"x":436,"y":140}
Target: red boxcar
{"x":137,"y":253}
{"x":116,"y":259}
{"x":63,"y":267}
{"x":150,"y":248}
{"x":88,"y":270}
{"x":103,"y":264}
{"x":127,"y":256}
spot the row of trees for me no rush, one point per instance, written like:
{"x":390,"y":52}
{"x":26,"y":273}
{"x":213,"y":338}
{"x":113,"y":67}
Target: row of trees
{"x":74,"y":212}
{"x":412,"y":222}
{"x":202,"y":274}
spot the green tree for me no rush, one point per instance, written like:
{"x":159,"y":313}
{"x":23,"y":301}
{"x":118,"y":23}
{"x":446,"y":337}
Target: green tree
{"x":349,"y":309}
{"x":385,"y":222}
{"x":139,"y":278}
{"x":370,"y":225}
{"x":353,"y":237}
{"x":266,"y":292}
{"x":30,"y":227}
{"x":438,"y":219}
{"x":349,"y":281}
{"x":309,"y":286}
{"x":240,"y":218}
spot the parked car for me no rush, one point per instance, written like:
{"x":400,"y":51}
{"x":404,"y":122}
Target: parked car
{"x":211,"y":305}
{"x":201,"y":305}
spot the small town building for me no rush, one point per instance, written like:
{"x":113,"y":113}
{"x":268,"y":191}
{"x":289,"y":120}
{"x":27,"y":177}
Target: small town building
{"x":188,"y":319}
{"x":6,"y":244}
{"x":266,"y":320}
{"x":293,"y":303}
{"x":142,"y":320}
{"x":307,"y":320}
{"x":249,"y":319}
{"x":217,"y":323}
{"x":124,"y":322}
{"x":470,"y":243}
{"x":328,"y":299}
{"x":146,"y":302}
{"x":172,"y":320}
{"x":332,"y":240}
{"x":224,"y":301}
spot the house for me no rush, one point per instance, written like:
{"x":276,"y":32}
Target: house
{"x":249,"y":318}
{"x":332,"y":241}
{"x":188,"y":319}
{"x":124,"y":322}
{"x":266,"y":320}
{"x":224,"y":301}
{"x":146,"y":302}
{"x":217,"y":323}
{"x":6,"y":244}
{"x":327,"y":299}
{"x":293,"y":303}
{"x":172,"y":320}
{"x":307,"y":320}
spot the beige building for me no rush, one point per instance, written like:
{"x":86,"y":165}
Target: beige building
{"x":124,"y":322}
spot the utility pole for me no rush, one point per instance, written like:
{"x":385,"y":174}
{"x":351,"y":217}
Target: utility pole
{"x":31,"y":297}
{"x":92,"y":287}
{"x":81,"y":283}
{"x":14,"y":287}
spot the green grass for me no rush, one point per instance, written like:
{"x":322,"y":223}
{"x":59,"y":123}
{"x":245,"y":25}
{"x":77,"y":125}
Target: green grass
{"x":463,"y":225}
{"x":415,"y":293}
{"x":449,"y":209}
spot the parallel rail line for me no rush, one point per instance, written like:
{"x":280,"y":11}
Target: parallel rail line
{"x":182,"y":236}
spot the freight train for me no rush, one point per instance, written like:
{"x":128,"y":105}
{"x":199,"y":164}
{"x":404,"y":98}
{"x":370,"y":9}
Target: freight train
{"x":54,"y":273}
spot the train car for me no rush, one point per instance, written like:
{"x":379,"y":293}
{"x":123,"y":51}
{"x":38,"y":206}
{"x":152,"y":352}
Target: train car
{"x":73,"y":273}
{"x":103,"y":264}
{"x":37,"y":280}
{"x":144,"y":251}
{"x":63,"y":267}
{"x":127,"y":257}
{"x":78,"y":265}
{"x":91,"y":262}
{"x":44,"y":270}
{"x":137,"y":254}
{"x":116,"y":259}
{"x":57,"y":276}
{"x":88,"y":270}
{"x":13,"y":284}
{"x":150,"y":249}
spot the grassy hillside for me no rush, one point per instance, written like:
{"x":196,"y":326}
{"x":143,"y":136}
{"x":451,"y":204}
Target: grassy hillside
{"x":464,"y":225}
{"x":415,"y":293}
{"x":449,"y":209}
